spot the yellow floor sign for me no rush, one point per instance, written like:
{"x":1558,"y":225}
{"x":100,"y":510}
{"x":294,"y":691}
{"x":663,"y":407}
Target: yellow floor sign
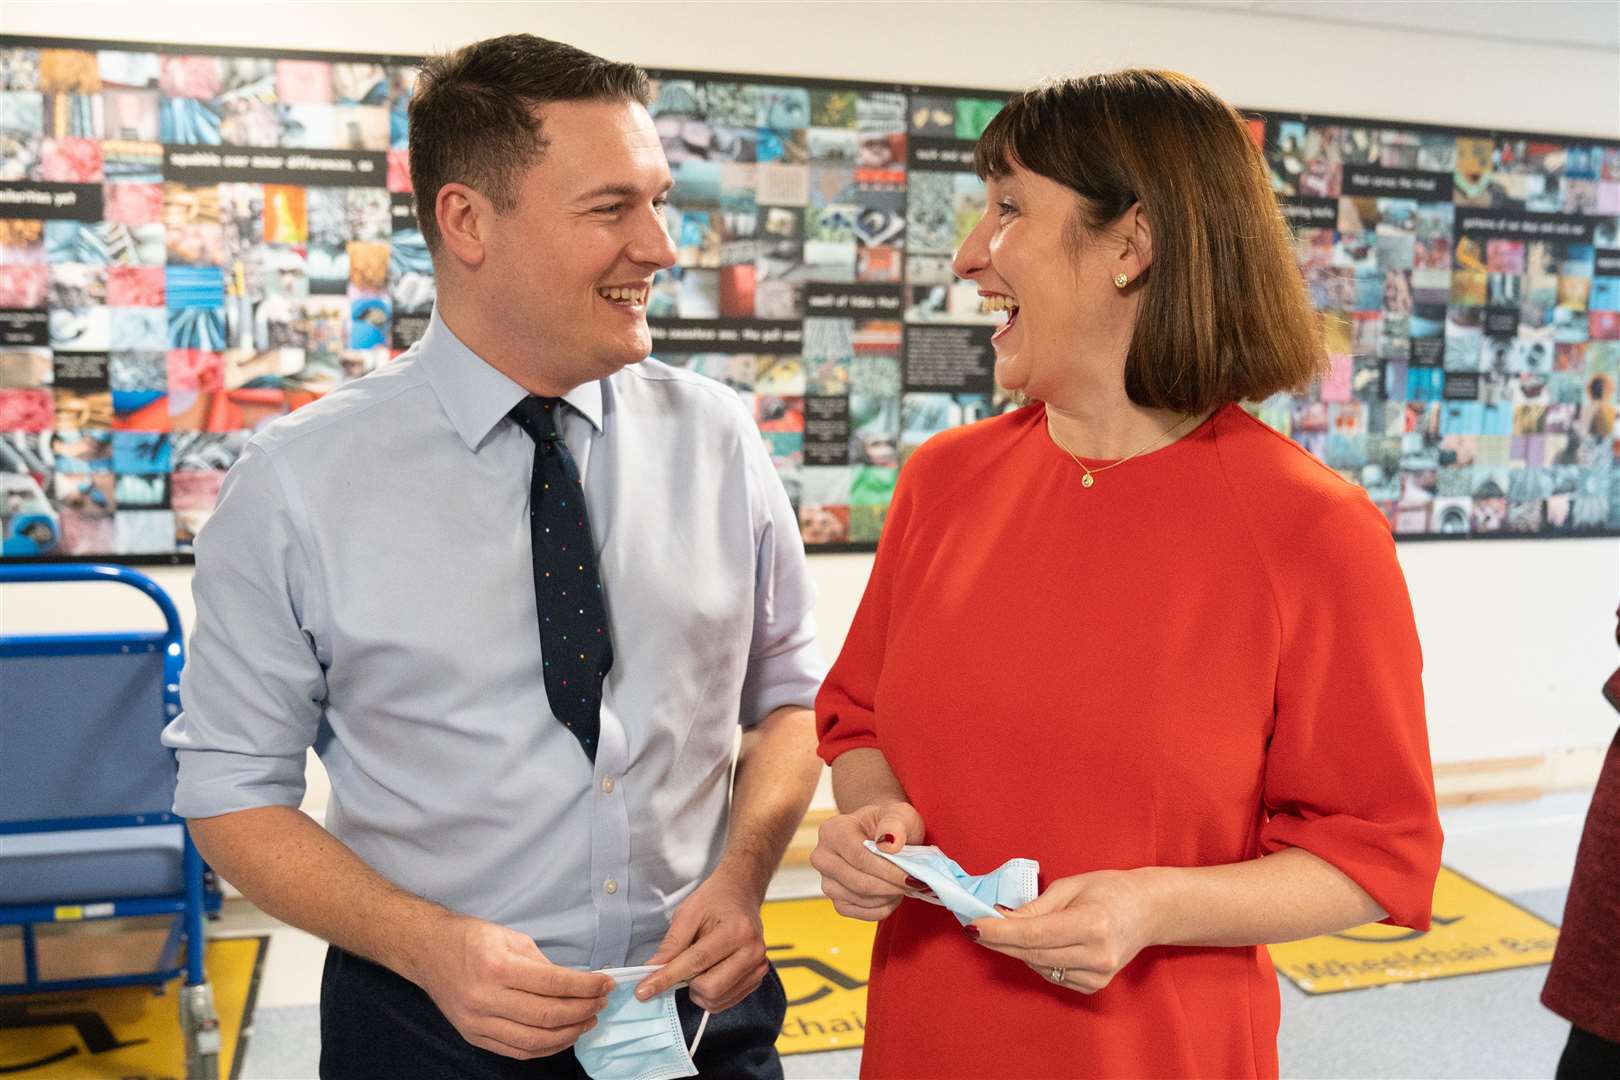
{"x":824,"y":960}
{"x":127,"y":1031}
{"x":1473,"y":930}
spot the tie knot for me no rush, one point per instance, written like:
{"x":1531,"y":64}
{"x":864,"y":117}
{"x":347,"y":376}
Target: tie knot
{"x":537,"y":416}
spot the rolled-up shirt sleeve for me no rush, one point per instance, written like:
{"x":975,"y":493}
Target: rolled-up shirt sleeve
{"x":785,"y":665}
{"x":1348,"y":776}
{"x":253,"y":688}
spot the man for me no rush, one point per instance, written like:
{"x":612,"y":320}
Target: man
{"x":398,"y":576}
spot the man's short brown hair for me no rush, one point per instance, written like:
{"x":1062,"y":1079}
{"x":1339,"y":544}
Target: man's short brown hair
{"x":474,"y":118}
{"x":1224,"y":315}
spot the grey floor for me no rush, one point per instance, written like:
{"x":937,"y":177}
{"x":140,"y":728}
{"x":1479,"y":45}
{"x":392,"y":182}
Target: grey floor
{"x":1480,"y":1027}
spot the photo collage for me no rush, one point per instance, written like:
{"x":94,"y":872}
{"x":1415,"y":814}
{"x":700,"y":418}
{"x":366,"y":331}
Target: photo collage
{"x":814,"y":226}
{"x":191,"y":245}
{"x":194,"y":242}
{"x":1469,"y":285}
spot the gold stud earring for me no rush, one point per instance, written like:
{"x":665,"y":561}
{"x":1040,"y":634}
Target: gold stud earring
{"x":1120,"y":281}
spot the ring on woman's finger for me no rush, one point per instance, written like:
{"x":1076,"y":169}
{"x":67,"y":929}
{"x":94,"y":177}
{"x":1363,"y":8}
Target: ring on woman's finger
{"x":1057,"y":974}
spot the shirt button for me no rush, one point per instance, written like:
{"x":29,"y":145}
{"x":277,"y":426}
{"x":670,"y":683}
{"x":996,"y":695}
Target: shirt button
{"x":607,"y":785}
{"x":610,"y":886}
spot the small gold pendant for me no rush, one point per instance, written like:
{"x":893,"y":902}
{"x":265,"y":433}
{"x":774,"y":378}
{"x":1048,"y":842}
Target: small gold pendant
{"x":1086,"y":480}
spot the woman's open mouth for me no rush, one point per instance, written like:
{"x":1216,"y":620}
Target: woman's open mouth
{"x":989,"y":303}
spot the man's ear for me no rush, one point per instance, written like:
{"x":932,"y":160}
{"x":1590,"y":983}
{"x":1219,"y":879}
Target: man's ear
{"x":464,"y":217}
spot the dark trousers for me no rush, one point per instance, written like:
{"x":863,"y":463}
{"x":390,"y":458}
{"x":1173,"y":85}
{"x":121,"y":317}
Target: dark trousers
{"x":1588,"y":1057}
{"x":375,"y":1024}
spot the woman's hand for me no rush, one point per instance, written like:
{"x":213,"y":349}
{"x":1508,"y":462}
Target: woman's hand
{"x":860,"y":884}
{"x":1081,"y":931}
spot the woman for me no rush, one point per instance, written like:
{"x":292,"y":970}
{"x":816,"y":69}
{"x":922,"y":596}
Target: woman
{"x":1127,"y":631}
{"x":1580,"y":984}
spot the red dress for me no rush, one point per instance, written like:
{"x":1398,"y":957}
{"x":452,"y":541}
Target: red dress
{"x":1206,"y":657}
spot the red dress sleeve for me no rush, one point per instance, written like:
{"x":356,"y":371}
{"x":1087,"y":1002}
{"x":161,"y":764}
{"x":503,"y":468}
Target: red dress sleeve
{"x":845,"y":719}
{"x":1348,"y":776}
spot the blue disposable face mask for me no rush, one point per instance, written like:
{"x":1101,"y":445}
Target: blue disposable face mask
{"x":637,"y":1040}
{"x":1012,"y":884}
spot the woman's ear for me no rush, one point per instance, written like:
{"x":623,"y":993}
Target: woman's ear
{"x":1138,"y":239}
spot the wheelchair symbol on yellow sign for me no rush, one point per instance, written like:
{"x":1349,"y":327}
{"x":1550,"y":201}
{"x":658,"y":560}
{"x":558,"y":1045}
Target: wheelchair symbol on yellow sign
{"x":73,"y":1013}
{"x":123,"y":1031}
{"x":832,"y":978}
{"x":824,"y":960}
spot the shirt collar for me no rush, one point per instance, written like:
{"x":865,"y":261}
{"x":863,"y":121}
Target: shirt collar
{"x":475,"y":396}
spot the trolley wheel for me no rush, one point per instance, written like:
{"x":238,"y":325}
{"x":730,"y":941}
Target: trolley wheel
{"x":200,"y":1025}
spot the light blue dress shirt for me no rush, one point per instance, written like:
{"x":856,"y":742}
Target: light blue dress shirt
{"x":365,"y":587}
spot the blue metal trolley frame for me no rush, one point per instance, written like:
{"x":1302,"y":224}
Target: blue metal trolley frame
{"x":52,"y":669}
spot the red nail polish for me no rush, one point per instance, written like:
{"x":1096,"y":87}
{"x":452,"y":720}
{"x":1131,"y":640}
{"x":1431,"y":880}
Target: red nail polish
{"x":886,"y":838}
{"x":971,"y":931}
{"x":913,"y":883}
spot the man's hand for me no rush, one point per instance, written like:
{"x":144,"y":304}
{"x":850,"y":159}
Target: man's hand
{"x":715,"y":944}
{"x":501,"y":993}
{"x":861,"y":885}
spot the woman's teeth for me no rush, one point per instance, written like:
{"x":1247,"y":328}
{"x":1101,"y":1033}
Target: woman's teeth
{"x":991,"y":304}
{"x":625,"y":295}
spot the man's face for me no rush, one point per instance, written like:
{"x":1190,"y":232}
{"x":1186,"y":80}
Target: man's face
{"x":567,"y":271}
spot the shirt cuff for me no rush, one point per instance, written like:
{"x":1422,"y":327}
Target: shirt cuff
{"x":788,"y":678}
{"x":214,"y":782}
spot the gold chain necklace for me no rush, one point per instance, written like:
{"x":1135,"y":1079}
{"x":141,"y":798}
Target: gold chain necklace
{"x":1090,"y":474}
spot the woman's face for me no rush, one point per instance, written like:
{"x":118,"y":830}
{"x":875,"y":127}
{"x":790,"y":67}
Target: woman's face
{"x":1062,"y":306}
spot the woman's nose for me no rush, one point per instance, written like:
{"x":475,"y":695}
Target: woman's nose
{"x":974,"y":254}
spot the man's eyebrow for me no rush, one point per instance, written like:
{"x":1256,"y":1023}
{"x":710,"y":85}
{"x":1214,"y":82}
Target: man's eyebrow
{"x":622,"y":191}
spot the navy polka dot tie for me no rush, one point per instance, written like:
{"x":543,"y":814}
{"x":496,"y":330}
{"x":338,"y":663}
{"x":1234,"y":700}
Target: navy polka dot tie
{"x":575,"y":646}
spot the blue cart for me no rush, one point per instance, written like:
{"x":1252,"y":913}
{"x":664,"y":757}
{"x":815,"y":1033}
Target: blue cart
{"x":85,"y":790}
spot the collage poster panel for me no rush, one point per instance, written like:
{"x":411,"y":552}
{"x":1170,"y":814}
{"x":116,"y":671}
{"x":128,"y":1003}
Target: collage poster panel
{"x":196,"y":241}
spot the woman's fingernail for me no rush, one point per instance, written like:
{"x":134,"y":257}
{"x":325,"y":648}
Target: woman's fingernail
{"x":971,"y":931}
{"x":886,"y":838}
{"x":913,"y":883}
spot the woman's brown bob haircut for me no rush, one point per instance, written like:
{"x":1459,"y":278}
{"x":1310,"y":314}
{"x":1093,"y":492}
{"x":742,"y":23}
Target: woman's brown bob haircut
{"x":1224,"y":315}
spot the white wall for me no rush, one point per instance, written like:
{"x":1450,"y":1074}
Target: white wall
{"x":1518,"y":634}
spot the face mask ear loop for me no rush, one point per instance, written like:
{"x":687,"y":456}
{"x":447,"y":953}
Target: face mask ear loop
{"x":692,"y":1050}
